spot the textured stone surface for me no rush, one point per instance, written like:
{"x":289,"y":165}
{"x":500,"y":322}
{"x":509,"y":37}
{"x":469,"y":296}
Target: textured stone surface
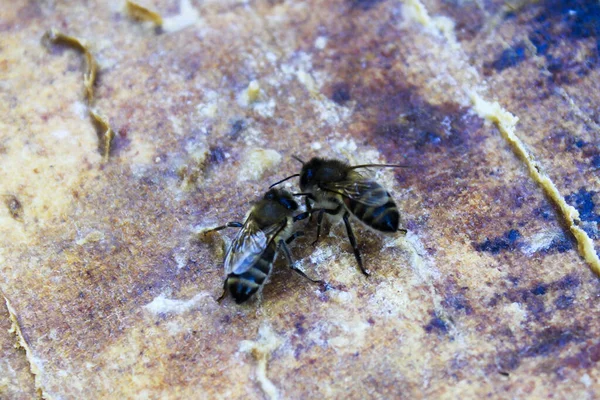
{"x":114,"y":293}
{"x":16,"y":381}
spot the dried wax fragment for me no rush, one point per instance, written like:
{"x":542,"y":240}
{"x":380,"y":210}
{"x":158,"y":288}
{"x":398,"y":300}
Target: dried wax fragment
{"x":506,"y":123}
{"x":34,"y":366}
{"x":253,"y":91}
{"x":217,"y":242}
{"x":141,"y":13}
{"x":15,"y":208}
{"x":89,"y":76}
{"x":261,"y":349}
{"x":105,"y":134}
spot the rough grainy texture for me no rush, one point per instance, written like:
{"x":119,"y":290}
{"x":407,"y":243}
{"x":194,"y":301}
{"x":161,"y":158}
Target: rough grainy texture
{"x":16,"y":381}
{"x":114,"y":292}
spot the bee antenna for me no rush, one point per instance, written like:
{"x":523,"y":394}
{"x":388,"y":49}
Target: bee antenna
{"x":283,"y":180}
{"x":379,"y":165}
{"x":298,"y":159}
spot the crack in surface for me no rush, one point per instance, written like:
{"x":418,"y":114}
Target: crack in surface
{"x":34,"y":368}
{"x":103,"y":129}
{"x":506,"y":124}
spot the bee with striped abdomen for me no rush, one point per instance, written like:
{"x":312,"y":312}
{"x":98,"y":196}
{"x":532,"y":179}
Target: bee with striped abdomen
{"x":336,"y":188}
{"x":267,"y":228}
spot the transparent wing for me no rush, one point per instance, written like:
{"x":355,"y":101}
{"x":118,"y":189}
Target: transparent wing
{"x":248,"y":245}
{"x":364,"y":191}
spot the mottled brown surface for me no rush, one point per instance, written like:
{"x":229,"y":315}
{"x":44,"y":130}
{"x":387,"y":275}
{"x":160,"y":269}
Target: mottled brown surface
{"x":16,"y":381}
{"x":485,"y":296}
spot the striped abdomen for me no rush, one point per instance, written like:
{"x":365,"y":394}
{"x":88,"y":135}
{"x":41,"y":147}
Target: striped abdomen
{"x":385,"y":217}
{"x":244,"y":285}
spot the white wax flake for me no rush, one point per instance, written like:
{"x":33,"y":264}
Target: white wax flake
{"x":518,"y":314}
{"x":188,"y":16}
{"x":161,"y":304}
{"x":352,"y":337}
{"x":330,"y":112}
{"x":258,"y":161}
{"x":316,"y":146}
{"x":208,"y":110}
{"x":321,"y":42}
{"x":253,"y":91}
{"x":177,"y":125}
{"x":540,"y":241}
{"x":249,"y":95}
{"x":94,"y":236}
{"x":181,"y":259}
{"x":586,"y":380}
{"x":265,"y":109}
{"x":320,"y":255}
{"x":345,"y":145}
{"x":421,"y":263}
{"x":209,"y":107}
{"x":307,"y":80}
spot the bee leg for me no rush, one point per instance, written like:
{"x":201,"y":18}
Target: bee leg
{"x":224,"y":292}
{"x":308,"y":208}
{"x":295,"y":235}
{"x":227,"y":225}
{"x":301,"y":216}
{"x":322,"y":211}
{"x":354,"y":245}
{"x":319,"y":221}
{"x":288,"y":257}
{"x":307,"y":199}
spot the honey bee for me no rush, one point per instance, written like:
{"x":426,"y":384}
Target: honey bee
{"x":268,"y":228}
{"x":336,"y":188}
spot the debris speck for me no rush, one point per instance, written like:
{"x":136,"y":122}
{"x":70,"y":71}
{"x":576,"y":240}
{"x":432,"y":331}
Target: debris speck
{"x":91,"y":237}
{"x":142,"y":13}
{"x":105,"y":134}
{"x":321,"y":42}
{"x":15,"y":208}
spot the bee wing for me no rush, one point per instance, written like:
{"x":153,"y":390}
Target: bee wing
{"x":248,"y":245}
{"x":364,"y":191}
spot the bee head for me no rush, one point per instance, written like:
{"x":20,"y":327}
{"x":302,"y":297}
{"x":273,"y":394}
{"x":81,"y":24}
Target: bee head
{"x":321,"y":170}
{"x":309,"y":172}
{"x":282,"y":197}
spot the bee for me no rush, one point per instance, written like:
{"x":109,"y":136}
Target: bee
{"x":268,"y":227}
{"x":336,"y":188}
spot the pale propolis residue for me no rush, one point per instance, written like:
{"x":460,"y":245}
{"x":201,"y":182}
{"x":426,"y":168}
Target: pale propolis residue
{"x":35,"y":364}
{"x":188,"y":16}
{"x":257,"y":162}
{"x":506,"y":123}
{"x":162,"y":305}
{"x":261,"y":349}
